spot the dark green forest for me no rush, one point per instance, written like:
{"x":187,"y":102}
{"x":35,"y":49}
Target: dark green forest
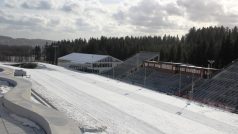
{"x":196,"y":47}
{"x":20,"y":51}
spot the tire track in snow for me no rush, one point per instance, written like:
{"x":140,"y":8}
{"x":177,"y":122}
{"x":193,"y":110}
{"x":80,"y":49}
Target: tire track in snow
{"x":170,"y":108}
{"x":144,"y":127}
{"x":60,"y":75}
{"x":218,"y":125}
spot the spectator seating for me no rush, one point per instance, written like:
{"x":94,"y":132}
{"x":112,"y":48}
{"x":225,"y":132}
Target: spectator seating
{"x":221,"y":90}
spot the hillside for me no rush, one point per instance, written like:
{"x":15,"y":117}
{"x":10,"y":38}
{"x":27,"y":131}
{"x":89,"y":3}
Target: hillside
{"x":5,"y":40}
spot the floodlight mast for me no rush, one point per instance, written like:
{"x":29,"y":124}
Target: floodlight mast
{"x":180,"y":82}
{"x":113,"y":70}
{"x":192,"y":90}
{"x":210,"y":62}
{"x":145,"y":75}
{"x":55,"y":54}
{"x":92,"y":65}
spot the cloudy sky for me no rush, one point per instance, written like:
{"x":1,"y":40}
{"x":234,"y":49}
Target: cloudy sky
{"x":69,"y":19}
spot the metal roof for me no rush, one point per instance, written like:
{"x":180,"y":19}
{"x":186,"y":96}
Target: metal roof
{"x":83,"y":58}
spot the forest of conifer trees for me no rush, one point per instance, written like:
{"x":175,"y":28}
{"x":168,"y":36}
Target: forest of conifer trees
{"x":196,"y":47}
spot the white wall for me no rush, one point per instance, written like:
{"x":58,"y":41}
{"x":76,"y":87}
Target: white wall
{"x":64,"y":63}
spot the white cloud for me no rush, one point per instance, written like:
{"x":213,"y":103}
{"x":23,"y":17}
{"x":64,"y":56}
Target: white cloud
{"x":149,"y":16}
{"x":40,"y":4}
{"x":59,"y":19}
{"x":69,"y":7}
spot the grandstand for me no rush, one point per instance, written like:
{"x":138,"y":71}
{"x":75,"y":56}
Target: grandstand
{"x":161,"y":81}
{"x":131,"y":64}
{"x":180,"y":79}
{"x":221,"y":90}
{"x":146,"y":70}
{"x":142,"y":69}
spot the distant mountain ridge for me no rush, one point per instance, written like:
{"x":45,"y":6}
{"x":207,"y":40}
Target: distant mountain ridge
{"x":6,"y":40}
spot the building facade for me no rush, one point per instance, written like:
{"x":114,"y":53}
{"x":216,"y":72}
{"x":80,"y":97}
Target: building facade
{"x":181,"y":68}
{"x":88,"y":62}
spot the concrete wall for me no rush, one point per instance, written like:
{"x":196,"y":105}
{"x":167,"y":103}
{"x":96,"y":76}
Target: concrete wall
{"x":18,"y":101}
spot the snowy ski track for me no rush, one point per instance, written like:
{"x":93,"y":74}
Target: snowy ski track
{"x":99,"y":102}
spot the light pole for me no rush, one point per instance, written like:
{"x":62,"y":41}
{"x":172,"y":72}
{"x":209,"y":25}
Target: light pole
{"x":92,"y":65}
{"x":180,"y":79}
{"x":137,"y":60}
{"x":113,"y":71}
{"x":55,"y":54}
{"x":210,"y":62}
{"x":145,"y":75}
{"x":191,"y":94}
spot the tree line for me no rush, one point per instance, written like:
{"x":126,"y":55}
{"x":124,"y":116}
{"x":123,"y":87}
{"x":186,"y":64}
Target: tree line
{"x":15,"y":53}
{"x":196,"y":47}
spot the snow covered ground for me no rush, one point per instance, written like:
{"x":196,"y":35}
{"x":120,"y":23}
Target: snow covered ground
{"x":100,"y":104}
{"x":4,"y":87}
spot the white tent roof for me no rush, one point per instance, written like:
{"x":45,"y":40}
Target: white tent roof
{"x":83,"y":58}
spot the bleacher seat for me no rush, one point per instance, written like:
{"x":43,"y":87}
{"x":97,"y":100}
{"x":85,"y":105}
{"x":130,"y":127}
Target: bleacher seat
{"x":221,"y":90}
{"x":160,"y":81}
{"x":121,"y":71}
